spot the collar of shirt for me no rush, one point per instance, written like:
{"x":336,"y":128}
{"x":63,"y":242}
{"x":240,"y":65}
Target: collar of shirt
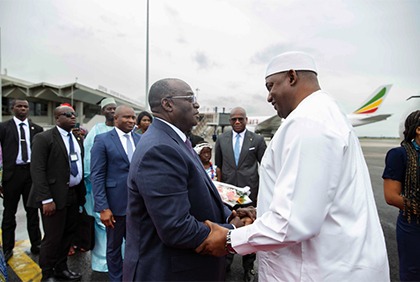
{"x":122,"y":133}
{"x":234,"y":133}
{"x":123,"y":139}
{"x":176,"y":129}
{"x":241,"y":140}
{"x":18,"y":122}
{"x":63,"y":132}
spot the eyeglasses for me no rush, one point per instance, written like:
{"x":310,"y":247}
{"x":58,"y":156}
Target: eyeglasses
{"x":237,"y":119}
{"x":190,"y":98}
{"x":69,"y":114}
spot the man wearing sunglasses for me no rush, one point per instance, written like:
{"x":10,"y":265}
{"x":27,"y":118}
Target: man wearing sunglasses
{"x":58,"y":189}
{"x":237,"y":154}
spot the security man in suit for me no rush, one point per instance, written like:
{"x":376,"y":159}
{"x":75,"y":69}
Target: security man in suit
{"x":237,"y":154}
{"x":110,"y":162}
{"x":16,"y":137}
{"x":58,"y":189}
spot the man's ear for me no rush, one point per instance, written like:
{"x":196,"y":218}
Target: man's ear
{"x":166,"y":105}
{"x":292,"y":76}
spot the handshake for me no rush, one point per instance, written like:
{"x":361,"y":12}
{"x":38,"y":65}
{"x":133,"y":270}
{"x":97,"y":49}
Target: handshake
{"x":216,"y":242}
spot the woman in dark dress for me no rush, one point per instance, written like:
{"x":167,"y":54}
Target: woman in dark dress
{"x":402,"y":190}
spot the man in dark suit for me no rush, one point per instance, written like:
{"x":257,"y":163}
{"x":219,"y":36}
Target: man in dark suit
{"x":170,"y":196}
{"x":16,"y":137}
{"x":58,"y":188}
{"x":237,"y":154}
{"x":111,"y":156}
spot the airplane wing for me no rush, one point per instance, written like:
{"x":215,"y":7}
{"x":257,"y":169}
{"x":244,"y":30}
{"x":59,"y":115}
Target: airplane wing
{"x":269,"y":126}
{"x":357,"y":120}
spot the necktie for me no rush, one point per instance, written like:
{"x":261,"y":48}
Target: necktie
{"x":23,"y":144}
{"x":129,"y":147}
{"x":189,"y":146}
{"x":73,"y":163}
{"x":237,"y":149}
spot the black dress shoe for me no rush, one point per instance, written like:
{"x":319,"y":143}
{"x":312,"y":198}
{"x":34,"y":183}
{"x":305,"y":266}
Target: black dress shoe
{"x":249,"y":275}
{"x":35,"y":249}
{"x":49,"y":279}
{"x":67,"y":275}
{"x":8,"y":255}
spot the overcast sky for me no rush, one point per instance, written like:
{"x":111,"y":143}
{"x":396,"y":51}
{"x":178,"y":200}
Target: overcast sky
{"x":219,"y":47}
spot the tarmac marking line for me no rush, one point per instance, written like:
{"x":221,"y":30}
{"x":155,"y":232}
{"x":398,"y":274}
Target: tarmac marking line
{"x":23,"y":266}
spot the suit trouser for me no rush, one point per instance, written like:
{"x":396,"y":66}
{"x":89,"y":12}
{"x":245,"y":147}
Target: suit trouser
{"x":19,"y":185}
{"x":114,"y":259}
{"x":247,"y":261}
{"x":59,"y":230}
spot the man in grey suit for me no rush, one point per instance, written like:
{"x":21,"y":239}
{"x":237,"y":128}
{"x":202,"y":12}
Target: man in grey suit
{"x":237,"y":155}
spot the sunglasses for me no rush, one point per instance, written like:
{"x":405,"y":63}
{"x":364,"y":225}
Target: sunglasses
{"x":190,"y":98}
{"x":69,"y":114}
{"x":237,"y":119}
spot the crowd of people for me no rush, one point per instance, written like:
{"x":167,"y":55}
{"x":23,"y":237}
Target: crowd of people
{"x":148,"y":181}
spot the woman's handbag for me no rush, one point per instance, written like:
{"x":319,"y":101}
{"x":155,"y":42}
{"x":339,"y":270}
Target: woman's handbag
{"x":85,"y":233}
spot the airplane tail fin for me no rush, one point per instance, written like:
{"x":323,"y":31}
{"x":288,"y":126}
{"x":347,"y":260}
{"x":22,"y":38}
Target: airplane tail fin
{"x":374,"y":101}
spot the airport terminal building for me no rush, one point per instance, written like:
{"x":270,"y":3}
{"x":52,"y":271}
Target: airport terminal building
{"x":44,"y":97}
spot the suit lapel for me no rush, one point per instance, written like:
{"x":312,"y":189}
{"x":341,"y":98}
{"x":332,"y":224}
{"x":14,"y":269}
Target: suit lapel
{"x":245,"y":146}
{"x":136,"y":138}
{"x":12,"y":126}
{"x":231,"y":153}
{"x":196,"y":160}
{"x":117,"y":141}
{"x":31,"y":132}
{"x":60,"y":142}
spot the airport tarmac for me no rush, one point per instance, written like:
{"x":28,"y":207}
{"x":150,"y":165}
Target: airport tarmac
{"x":23,"y":266}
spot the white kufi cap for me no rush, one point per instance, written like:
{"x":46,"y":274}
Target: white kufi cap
{"x":291,"y":61}
{"x":107,"y":101}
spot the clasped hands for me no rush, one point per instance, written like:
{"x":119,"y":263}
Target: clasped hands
{"x":215,"y":242}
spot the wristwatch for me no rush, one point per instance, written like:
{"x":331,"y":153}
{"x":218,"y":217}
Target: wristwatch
{"x":228,"y":244}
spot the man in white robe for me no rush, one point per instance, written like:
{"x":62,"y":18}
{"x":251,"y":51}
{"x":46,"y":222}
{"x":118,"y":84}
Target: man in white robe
{"x":317,"y":218}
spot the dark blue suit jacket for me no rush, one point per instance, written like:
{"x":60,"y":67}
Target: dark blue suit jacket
{"x":169,"y":197}
{"x":109,"y":170}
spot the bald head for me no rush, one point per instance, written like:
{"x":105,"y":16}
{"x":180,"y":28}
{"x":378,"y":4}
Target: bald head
{"x":161,"y":89}
{"x":173,"y":100}
{"x":238,"y":119}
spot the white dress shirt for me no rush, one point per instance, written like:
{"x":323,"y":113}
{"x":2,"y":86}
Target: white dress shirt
{"x":27,"y":138}
{"x":74,"y":180}
{"x":123,"y":139}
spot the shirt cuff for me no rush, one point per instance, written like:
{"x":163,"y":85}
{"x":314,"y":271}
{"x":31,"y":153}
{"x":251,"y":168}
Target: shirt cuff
{"x":239,"y":238}
{"x":47,"y":201}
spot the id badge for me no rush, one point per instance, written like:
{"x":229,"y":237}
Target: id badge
{"x":73,"y":157}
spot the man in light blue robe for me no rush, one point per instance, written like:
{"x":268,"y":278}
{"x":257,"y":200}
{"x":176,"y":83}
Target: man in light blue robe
{"x":98,"y":253}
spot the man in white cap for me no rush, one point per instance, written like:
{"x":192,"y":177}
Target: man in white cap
{"x":108,"y":106}
{"x":317,"y":218}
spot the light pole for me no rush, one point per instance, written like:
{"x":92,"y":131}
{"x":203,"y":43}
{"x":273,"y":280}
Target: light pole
{"x":1,"y":85}
{"x":147,"y":57}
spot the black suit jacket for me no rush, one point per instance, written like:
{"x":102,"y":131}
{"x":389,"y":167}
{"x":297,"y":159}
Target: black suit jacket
{"x":9,"y":139}
{"x":50,"y":170}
